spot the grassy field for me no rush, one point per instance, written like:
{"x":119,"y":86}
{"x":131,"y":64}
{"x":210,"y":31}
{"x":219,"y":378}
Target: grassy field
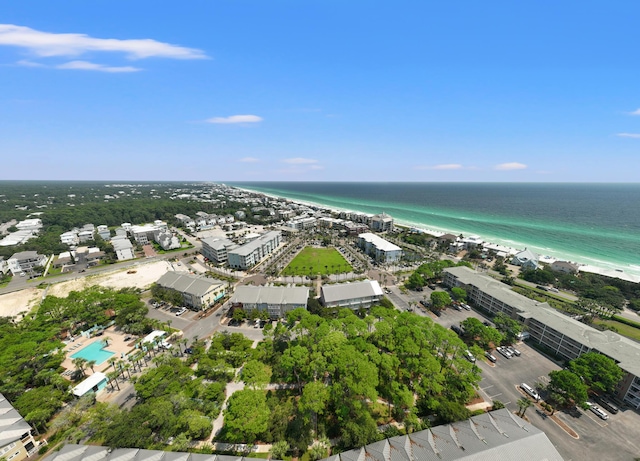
{"x":623,"y":329}
{"x":311,"y":261}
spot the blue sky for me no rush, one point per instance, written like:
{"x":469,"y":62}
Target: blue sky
{"x":245,"y":90}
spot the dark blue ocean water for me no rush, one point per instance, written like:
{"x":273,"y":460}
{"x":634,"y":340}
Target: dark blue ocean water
{"x":595,"y":224}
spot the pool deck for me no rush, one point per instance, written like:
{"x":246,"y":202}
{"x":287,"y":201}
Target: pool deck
{"x":117,"y":345}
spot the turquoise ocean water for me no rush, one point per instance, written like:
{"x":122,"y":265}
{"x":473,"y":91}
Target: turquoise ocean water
{"x":596,"y":224}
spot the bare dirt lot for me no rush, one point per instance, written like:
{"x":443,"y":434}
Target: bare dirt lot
{"x":140,"y":276}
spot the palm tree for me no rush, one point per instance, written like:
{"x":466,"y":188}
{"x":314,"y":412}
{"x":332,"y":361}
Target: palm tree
{"x":79,"y":363}
{"x":91,"y":364}
{"x":113,"y":378}
{"x":106,"y":340}
{"x":112,"y":362}
{"x":523,"y":404}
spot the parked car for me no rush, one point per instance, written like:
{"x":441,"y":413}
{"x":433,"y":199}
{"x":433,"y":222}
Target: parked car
{"x":608,"y":404}
{"x":469,"y":356}
{"x":466,"y":306}
{"x":504,"y":351}
{"x":491,"y":357}
{"x":514,"y":351}
{"x":181,"y":311}
{"x":458,"y":330}
{"x":530,"y":390}
{"x":599,"y":412}
{"x":188,"y":350}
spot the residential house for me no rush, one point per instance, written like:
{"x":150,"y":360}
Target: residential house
{"x":4,"y":265}
{"x":526,"y":259}
{"x":123,"y":248}
{"x":25,"y":262}
{"x":353,"y":295}
{"x":378,"y":248}
{"x":166,"y":240}
{"x":566,"y":267}
{"x":16,"y":437}
{"x":104,"y":232}
{"x":70,"y":238}
{"x":276,"y":301}
{"x":198,"y":292}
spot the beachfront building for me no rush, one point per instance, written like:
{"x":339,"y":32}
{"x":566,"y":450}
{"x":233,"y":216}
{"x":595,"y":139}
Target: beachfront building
{"x":123,"y":247}
{"x":379,"y":249}
{"x":381,"y":223}
{"x":216,"y":249}
{"x":302,"y":223}
{"x":566,"y":267}
{"x":566,"y":337}
{"x":198,"y":292}
{"x":16,"y":437}
{"x":26,"y":262}
{"x":526,"y":259}
{"x":249,"y":254}
{"x":354,"y":295}
{"x":276,"y":301}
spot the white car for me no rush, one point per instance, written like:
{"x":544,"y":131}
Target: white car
{"x":599,"y":412}
{"x":504,"y":351}
{"x":466,"y":306}
{"x":514,"y":351}
{"x":181,"y":311}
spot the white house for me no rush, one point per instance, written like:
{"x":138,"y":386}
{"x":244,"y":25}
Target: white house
{"x":123,"y":248}
{"x":527,"y":259}
{"x":379,"y":248}
{"x":25,"y":262}
{"x":352,"y":295}
{"x":276,"y":301}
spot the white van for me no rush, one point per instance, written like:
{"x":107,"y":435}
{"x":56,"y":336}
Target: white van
{"x":529,"y":390}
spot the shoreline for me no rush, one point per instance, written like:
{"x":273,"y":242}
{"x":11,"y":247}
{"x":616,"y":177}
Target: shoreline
{"x":587,"y":264}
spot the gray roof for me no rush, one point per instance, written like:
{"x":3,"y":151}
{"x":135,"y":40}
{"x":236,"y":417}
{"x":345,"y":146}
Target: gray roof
{"x":621,"y":349}
{"x":495,"y":436}
{"x":25,"y":255}
{"x":346,"y":291}
{"x":186,"y":283}
{"x":247,"y":294}
{"x":12,"y":425}
{"x":121,"y":243}
{"x":252,"y":246}
{"x":218,"y":243}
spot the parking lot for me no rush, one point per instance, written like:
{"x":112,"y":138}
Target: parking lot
{"x":617,"y":438}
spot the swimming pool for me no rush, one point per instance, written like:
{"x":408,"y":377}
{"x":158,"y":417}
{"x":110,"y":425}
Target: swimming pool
{"x":93,"y":351}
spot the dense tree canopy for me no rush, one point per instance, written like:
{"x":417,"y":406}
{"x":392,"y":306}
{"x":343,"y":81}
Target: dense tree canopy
{"x":599,"y":372}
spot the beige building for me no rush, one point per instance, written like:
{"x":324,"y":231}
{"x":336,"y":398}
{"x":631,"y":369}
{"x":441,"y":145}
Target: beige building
{"x":198,"y":292}
{"x":16,"y":440}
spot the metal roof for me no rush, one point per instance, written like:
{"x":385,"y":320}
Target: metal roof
{"x":247,"y":294}
{"x":252,"y":246}
{"x":355,"y":290}
{"x":191,"y":284}
{"x":495,"y":436}
{"x":12,"y":425}
{"x":380,"y":243}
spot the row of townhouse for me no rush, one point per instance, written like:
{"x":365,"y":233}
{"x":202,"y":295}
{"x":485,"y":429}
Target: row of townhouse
{"x":198,"y":292}
{"x":249,"y":254}
{"x":352,"y":228}
{"x":204,"y":221}
{"x":26,"y":230}
{"x":275,"y":301}
{"x":567,"y":337}
{"x":216,"y":250}
{"x":378,"y":248}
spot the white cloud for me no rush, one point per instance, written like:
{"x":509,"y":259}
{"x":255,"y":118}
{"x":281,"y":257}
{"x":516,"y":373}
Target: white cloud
{"x":445,"y":166}
{"x":299,"y":161}
{"x":510,"y":166}
{"x":235,"y":119}
{"x":629,"y":135}
{"x":635,"y":112}
{"x":47,"y":44}
{"x":249,"y":160}
{"x":86,"y":65}
{"x":27,"y":63}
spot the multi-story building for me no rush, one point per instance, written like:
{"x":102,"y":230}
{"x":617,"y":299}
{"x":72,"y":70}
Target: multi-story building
{"x":16,"y":439}
{"x":123,"y":248}
{"x":249,"y":254}
{"x":26,"y":261}
{"x":565,"y":336}
{"x":69,"y":238}
{"x":145,"y":233}
{"x":104,"y":232}
{"x":379,"y":248}
{"x":166,"y":240}
{"x":381,"y":223}
{"x":354,"y":295}
{"x":216,"y":249}
{"x":276,"y":301}
{"x":302,"y":223}
{"x":198,"y":292}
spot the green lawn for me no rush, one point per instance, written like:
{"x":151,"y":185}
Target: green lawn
{"x":623,"y":329}
{"x":311,"y":261}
